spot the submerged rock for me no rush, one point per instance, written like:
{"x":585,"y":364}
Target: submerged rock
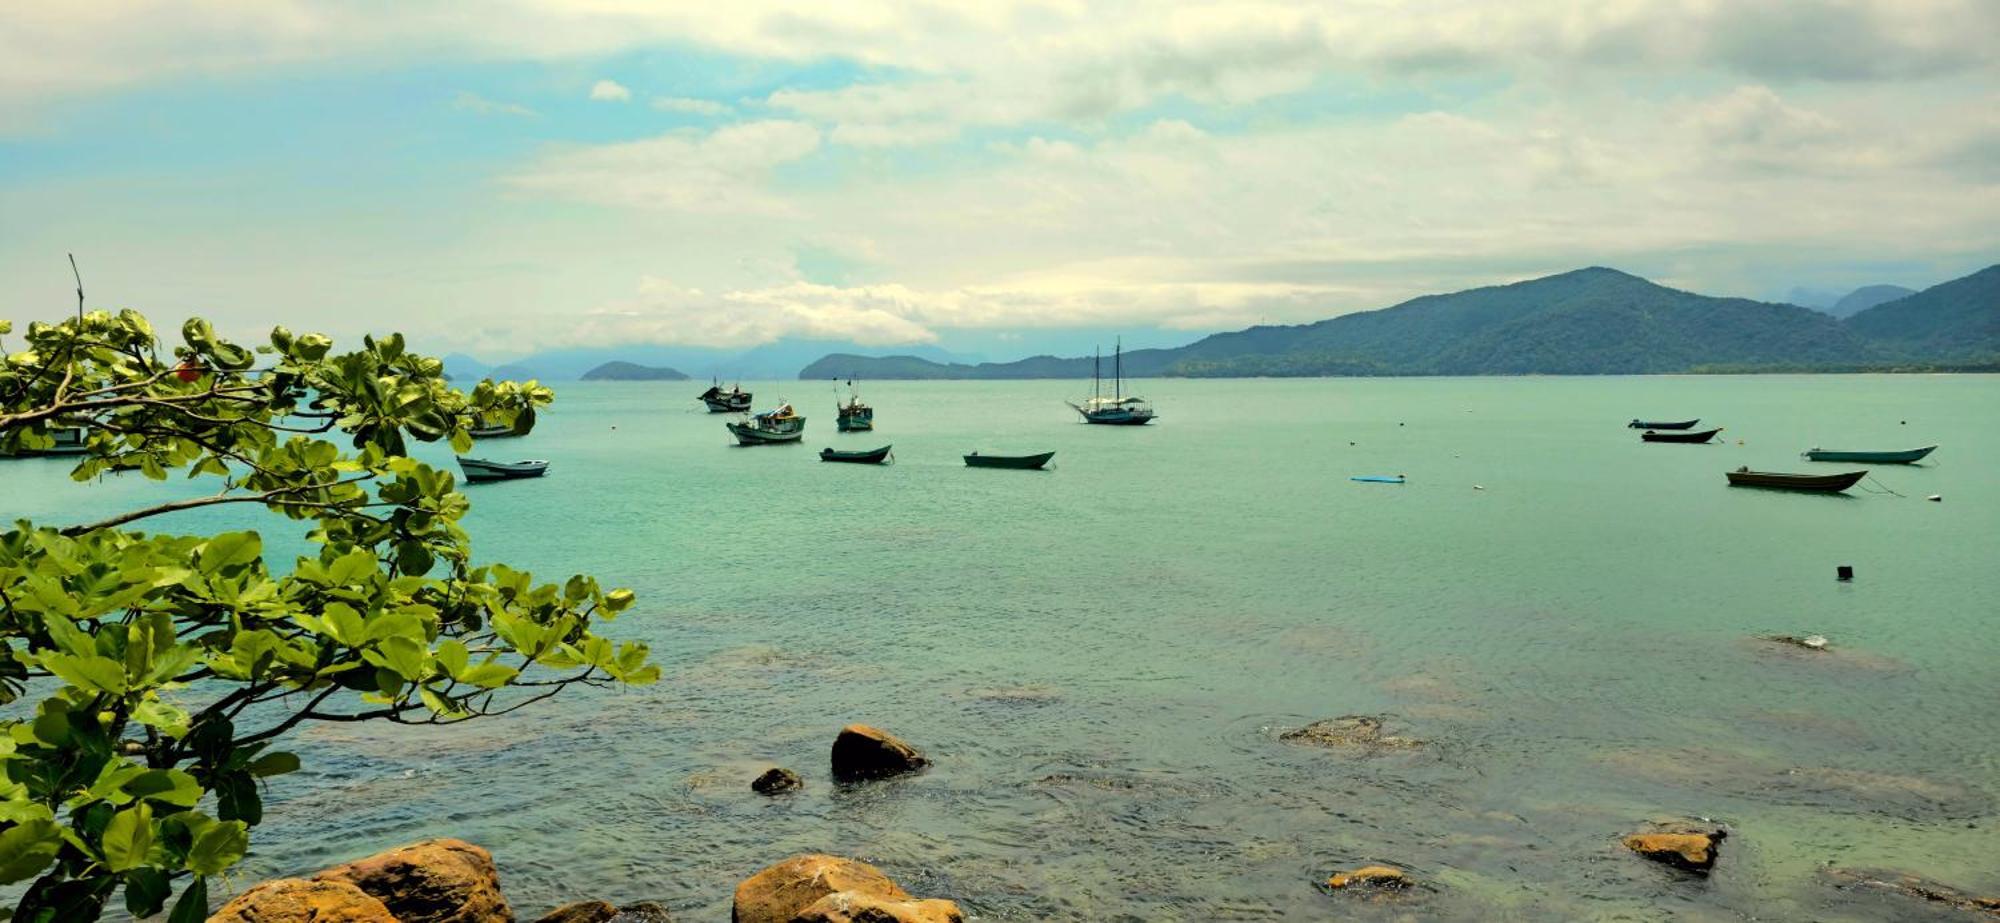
{"x":1914,"y":887}
{"x":1379,"y":877}
{"x":863,"y":752}
{"x":776,"y":781}
{"x":780,"y":893}
{"x":435,"y":881}
{"x":297,"y":900}
{"x":1808,"y":642}
{"x":1690,"y":847}
{"x":849,"y":907}
{"x":1355,"y":732}
{"x":604,"y":912}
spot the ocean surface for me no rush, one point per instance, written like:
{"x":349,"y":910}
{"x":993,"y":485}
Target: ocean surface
{"x":1101,"y":657}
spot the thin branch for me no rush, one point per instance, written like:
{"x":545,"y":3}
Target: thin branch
{"x":264,"y":497}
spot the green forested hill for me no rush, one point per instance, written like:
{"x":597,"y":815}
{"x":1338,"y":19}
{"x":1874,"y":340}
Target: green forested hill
{"x":1958,"y":320}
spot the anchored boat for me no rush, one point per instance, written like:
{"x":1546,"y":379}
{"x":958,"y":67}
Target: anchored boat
{"x":1116,"y":409}
{"x":69,"y":440}
{"x":853,"y":416}
{"x":870,"y":457}
{"x":1905,"y":457}
{"x":976,"y":460}
{"x":734,"y":400}
{"x":770,"y":427}
{"x":1819,"y":483}
{"x":479,"y":469}
{"x":1684,"y":424}
{"x":1705,"y":436}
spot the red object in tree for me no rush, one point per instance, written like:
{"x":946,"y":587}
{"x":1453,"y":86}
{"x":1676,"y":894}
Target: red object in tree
{"x":188,"y":371}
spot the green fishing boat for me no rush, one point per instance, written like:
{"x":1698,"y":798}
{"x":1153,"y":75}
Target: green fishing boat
{"x":1905,"y":457}
{"x":976,"y":460}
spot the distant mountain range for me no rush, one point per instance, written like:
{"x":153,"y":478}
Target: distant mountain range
{"x":1587,"y":322}
{"x":1865,"y":297}
{"x":771,"y":361}
{"x":627,"y":371}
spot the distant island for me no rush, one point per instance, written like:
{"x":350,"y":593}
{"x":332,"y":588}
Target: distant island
{"x":630,"y":371}
{"x":1594,"y":321}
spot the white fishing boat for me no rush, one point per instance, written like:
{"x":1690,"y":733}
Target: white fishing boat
{"x":734,"y":400}
{"x":771,"y":427}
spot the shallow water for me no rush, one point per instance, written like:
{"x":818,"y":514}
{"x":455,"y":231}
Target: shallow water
{"x":1101,"y":657}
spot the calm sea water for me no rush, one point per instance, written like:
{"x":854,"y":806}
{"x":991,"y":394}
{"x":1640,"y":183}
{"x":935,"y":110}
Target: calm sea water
{"x":1100,"y":657}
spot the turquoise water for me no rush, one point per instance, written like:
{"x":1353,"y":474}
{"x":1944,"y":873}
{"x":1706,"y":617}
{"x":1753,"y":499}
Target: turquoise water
{"x":1100,"y":657}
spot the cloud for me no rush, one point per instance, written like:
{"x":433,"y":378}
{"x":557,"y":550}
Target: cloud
{"x":689,"y":106}
{"x":610,"y":91}
{"x":718,"y":171}
{"x":473,"y":102}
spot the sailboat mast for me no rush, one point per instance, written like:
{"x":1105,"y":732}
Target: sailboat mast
{"x":1118,"y":368}
{"x":1096,"y":374}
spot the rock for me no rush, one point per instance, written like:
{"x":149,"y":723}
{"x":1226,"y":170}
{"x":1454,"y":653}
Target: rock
{"x":1912,"y":886}
{"x":1371,"y":876}
{"x":776,"y":781}
{"x":781,"y":892}
{"x":580,"y":912}
{"x":849,"y":907}
{"x":1683,"y":846}
{"x":1357,"y":732}
{"x":296,"y":900}
{"x":1809,"y":642}
{"x":863,"y":752}
{"x":642,"y":912}
{"x":435,"y":881}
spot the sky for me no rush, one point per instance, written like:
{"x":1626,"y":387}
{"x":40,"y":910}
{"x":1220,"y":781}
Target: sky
{"x":502,"y":177}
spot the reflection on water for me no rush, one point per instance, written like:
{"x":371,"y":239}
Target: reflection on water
{"x":1102,"y":659}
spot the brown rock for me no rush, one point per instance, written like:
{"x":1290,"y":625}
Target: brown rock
{"x":781,"y":892}
{"x":1371,"y":876}
{"x":849,"y":907}
{"x":296,"y":900}
{"x":580,"y":912}
{"x":1912,"y":886}
{"x":776,"y":781}
{"x":436,"y":881}
{"x":642,"y":912}
{"x":1694,"y":851}
{"x":863,"y":752}
{"x":1358,"y":732}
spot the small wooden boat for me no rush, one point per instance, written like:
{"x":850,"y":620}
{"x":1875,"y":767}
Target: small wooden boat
{"x":870,"y":457}
{"x":1820,"y":483}
{"x":976,"y":460}
{"x":1378,"y":478}
{"x":734,"y":400}
{"x":770,"y":427}
{"x":1703,"y":436}
{"x":1684,"y":424}
{"x":479,"y":469}
{"x":1905,"y":457}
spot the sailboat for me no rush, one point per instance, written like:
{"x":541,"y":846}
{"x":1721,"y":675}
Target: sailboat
{"x":1117,"y":409}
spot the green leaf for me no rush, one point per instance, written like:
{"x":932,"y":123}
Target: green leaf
{"x":171,"y":720}
{"x":167,"y":786}
{"x":274,"y":764}
{"x":229,"y":550}
{"x":90,"y":673}
{"x":193,"y":904}
{"x":146,"y":891}
{"x":27,"y":848}
{"x":217,"y":847}
{"x":128,"y":837}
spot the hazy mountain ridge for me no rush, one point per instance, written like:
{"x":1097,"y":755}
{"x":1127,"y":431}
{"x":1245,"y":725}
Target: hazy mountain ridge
{"x":1865,"y":297}
{"x":1585,"y":322}
{"x":619,"y":370}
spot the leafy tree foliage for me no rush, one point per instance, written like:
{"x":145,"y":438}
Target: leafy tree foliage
{"x":164,"y":671}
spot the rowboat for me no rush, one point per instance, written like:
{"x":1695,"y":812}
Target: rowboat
{"x":1905,"y":457}
{"x":1821,"y":483}
{"x":1684,"y":424}
{"x":1703,"y":436}
{"x":770,"y":427}
{"x":479,"y":469}
{"x":870,"y":457}
{"x":976,"y":460}
{"x":1378,"y":478}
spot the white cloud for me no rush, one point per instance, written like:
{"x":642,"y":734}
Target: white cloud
{"x":688,"y":105}
{"x":720,"y":171}
{"x":610,"y":91}
{"x":473,"y":102}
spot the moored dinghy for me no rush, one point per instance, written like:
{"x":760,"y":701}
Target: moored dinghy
{"x":1704,"y":436}
{"x":1379,"y":478}
{"x":976,"y":460}
{"x":1684,"y":424}
{"x":479,"y":470}
{"x":1778,"y":480}
{"x":1905,"y":457}
{"x":870,"y":457}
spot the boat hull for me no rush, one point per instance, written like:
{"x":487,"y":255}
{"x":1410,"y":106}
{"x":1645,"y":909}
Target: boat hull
{"x":747,"y":434}
{"x":1705,"y":436}
{"x":1812,"y":483}
{"x":480,"y":471}
{"x":854,"y":424}
{"x":1017,"y":462}
{"x":1905,"y":457}
{"x":871,"y":457}
{"x":725,"y":405}
{"x":1684,"y":424}
{"x":1119,"y":418}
